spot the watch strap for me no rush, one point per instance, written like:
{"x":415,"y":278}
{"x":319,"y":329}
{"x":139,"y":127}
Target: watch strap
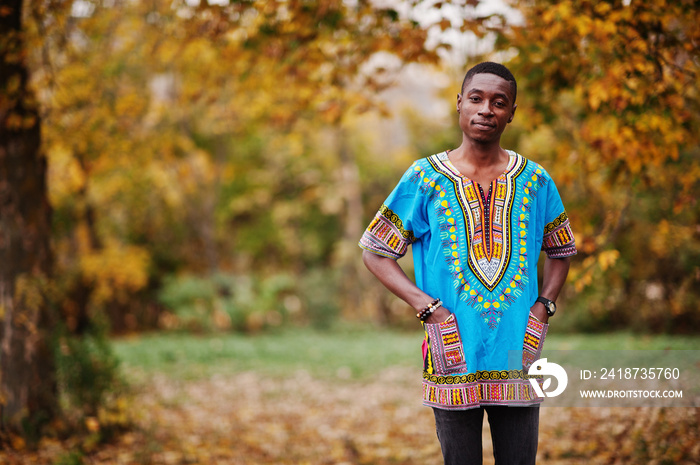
{"x":548,"y":304}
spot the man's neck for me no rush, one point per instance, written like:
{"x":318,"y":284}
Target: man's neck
{"x":481,"y":163}
{"x":479,"y":156}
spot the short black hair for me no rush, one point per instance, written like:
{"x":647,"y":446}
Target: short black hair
{"x":492,"y":68}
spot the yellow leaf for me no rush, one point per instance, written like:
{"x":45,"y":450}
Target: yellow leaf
{"x":17,"y":442}
{"x":607,"y":258}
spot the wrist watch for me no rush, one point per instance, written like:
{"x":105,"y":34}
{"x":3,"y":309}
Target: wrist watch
{"x":548,"y":304}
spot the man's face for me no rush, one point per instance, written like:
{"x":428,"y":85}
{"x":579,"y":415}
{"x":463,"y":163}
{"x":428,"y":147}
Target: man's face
{"x":486,"y":107}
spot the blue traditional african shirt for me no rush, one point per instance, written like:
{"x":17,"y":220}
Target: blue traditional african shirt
{"x":477,"y":251}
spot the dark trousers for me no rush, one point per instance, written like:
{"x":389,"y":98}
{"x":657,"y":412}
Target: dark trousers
{"x":513,"y":434}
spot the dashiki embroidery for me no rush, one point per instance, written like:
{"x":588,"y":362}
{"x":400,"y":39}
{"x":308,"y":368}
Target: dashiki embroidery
{"x":535,"y":333}
{"x":476,"y":247}
{"x":387,"y":236}
{"x":446,"y":345}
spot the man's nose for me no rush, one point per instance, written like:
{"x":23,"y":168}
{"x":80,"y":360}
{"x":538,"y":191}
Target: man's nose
{"x":485,"y":108}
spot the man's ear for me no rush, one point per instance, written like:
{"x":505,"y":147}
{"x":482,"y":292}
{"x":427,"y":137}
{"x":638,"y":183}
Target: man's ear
{"x":459,"y":101}
{"x":512,"y":114}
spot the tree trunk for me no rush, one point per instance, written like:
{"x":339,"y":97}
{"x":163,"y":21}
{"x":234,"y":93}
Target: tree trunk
{"x":27,"y":373}
{"x":356,"y":280}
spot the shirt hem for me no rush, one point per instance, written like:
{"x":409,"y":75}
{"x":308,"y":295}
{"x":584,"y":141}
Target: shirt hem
{"x":437,"y":405}
{"x":516,"y":392}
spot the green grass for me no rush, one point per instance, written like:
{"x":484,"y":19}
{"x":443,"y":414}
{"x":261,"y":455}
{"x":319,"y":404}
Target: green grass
{"x":350,"y":353}
{"x":620,"y":341}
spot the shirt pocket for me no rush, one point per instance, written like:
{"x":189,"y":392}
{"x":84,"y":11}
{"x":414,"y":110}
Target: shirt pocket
{"x":535,"y":332}
{"x":445,"y":353}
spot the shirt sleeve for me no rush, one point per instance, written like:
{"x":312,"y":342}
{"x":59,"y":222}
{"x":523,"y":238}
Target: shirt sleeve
{"x":558,"y":240}
{"x":400,"y":220}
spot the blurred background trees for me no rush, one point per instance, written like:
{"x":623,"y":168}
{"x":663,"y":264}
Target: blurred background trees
{"x":611,"y":108}
{"x":211,"y":166}
{"x":248,"y":143}
{"x":215,"y":142}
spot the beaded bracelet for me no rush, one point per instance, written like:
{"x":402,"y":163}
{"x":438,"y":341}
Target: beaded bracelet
{"x":427,"y":311}
{"x":425,"y":314}
{"x":427,"y":308}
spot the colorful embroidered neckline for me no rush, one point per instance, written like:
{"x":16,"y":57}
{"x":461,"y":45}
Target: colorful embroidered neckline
{"x":487,"y":223}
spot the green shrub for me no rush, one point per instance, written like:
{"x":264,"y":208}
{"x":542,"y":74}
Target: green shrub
{"x":92,"y":393}
{"x":191,"y":299}
{"x":87,"y":369}
{"x":225,"y":301}
{"x":320,"y":291}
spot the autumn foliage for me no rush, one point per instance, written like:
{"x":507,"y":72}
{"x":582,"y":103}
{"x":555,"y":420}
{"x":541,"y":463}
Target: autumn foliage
{"x":612,"y":105}
{"x":179,"y":138}
{"x":225,"y":141}
{"x":210,"y":167}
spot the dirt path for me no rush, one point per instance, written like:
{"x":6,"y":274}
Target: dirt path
{"x":253,"y":419}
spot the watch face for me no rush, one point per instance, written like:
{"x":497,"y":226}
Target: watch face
{"x":551,"y":308}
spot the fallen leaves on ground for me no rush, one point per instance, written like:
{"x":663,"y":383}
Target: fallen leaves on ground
{"x":252,"y":418}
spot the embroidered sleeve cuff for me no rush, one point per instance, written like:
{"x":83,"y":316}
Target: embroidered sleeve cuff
{"x":558,"y":239}
{"x":386,"y":236}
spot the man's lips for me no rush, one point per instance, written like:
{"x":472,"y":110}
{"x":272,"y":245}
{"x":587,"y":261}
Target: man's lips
{"x":483,"y":124}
